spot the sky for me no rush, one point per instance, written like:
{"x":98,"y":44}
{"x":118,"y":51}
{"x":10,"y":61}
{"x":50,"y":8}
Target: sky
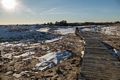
{"x":42,"y":11}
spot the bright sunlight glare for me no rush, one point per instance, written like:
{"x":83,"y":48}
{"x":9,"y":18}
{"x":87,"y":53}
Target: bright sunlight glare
{"x":9,"y":4}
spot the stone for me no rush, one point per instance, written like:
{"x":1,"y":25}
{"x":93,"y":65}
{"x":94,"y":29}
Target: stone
{"x":17,"y":75}
{"x":9,"y":73}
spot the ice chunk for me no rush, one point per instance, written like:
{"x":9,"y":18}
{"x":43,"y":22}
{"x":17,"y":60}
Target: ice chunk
{"x":51,"y":59}
{"x":82,"y":53}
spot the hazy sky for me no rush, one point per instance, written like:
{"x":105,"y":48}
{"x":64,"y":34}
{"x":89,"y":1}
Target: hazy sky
{"x":40,"y":11}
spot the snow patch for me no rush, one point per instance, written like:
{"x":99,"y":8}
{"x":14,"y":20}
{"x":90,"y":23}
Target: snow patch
{"x":7,"y":44}
{"x":25,"y":54}
{"x":86,"y":29}
{"x":43,"y":29}
{"x":110,"y":30}
{"x":65,"y":31}
{"x":90,"y":28}
{"x":53,"y":40}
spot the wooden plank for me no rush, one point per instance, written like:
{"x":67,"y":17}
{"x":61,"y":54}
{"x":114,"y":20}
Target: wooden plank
{"x":98,"y":63}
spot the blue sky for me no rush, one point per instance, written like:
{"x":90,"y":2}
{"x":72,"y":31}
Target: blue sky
{"x":41,"y":11}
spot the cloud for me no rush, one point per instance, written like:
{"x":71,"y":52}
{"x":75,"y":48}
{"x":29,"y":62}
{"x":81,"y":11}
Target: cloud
{"x":54,"y":11}
{"x":29,"y":11}
{"x":47,"y":11}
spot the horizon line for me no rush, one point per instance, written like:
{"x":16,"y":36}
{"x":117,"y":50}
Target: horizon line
{"x":59,"y":21}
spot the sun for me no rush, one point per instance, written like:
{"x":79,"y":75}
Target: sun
{"x":9,"y":4}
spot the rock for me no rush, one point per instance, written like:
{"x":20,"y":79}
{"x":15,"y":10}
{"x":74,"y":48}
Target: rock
{"x":10,"y":68}
{"x":17,"y":75}
{"x":25,"y":73}
{"x":9,"y":56}
{"x":9,"y":73}
{"x":19,"y":66}
{"x":1,"y":63}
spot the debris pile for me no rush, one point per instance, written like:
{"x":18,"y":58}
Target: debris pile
{"x":58,"y":59}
